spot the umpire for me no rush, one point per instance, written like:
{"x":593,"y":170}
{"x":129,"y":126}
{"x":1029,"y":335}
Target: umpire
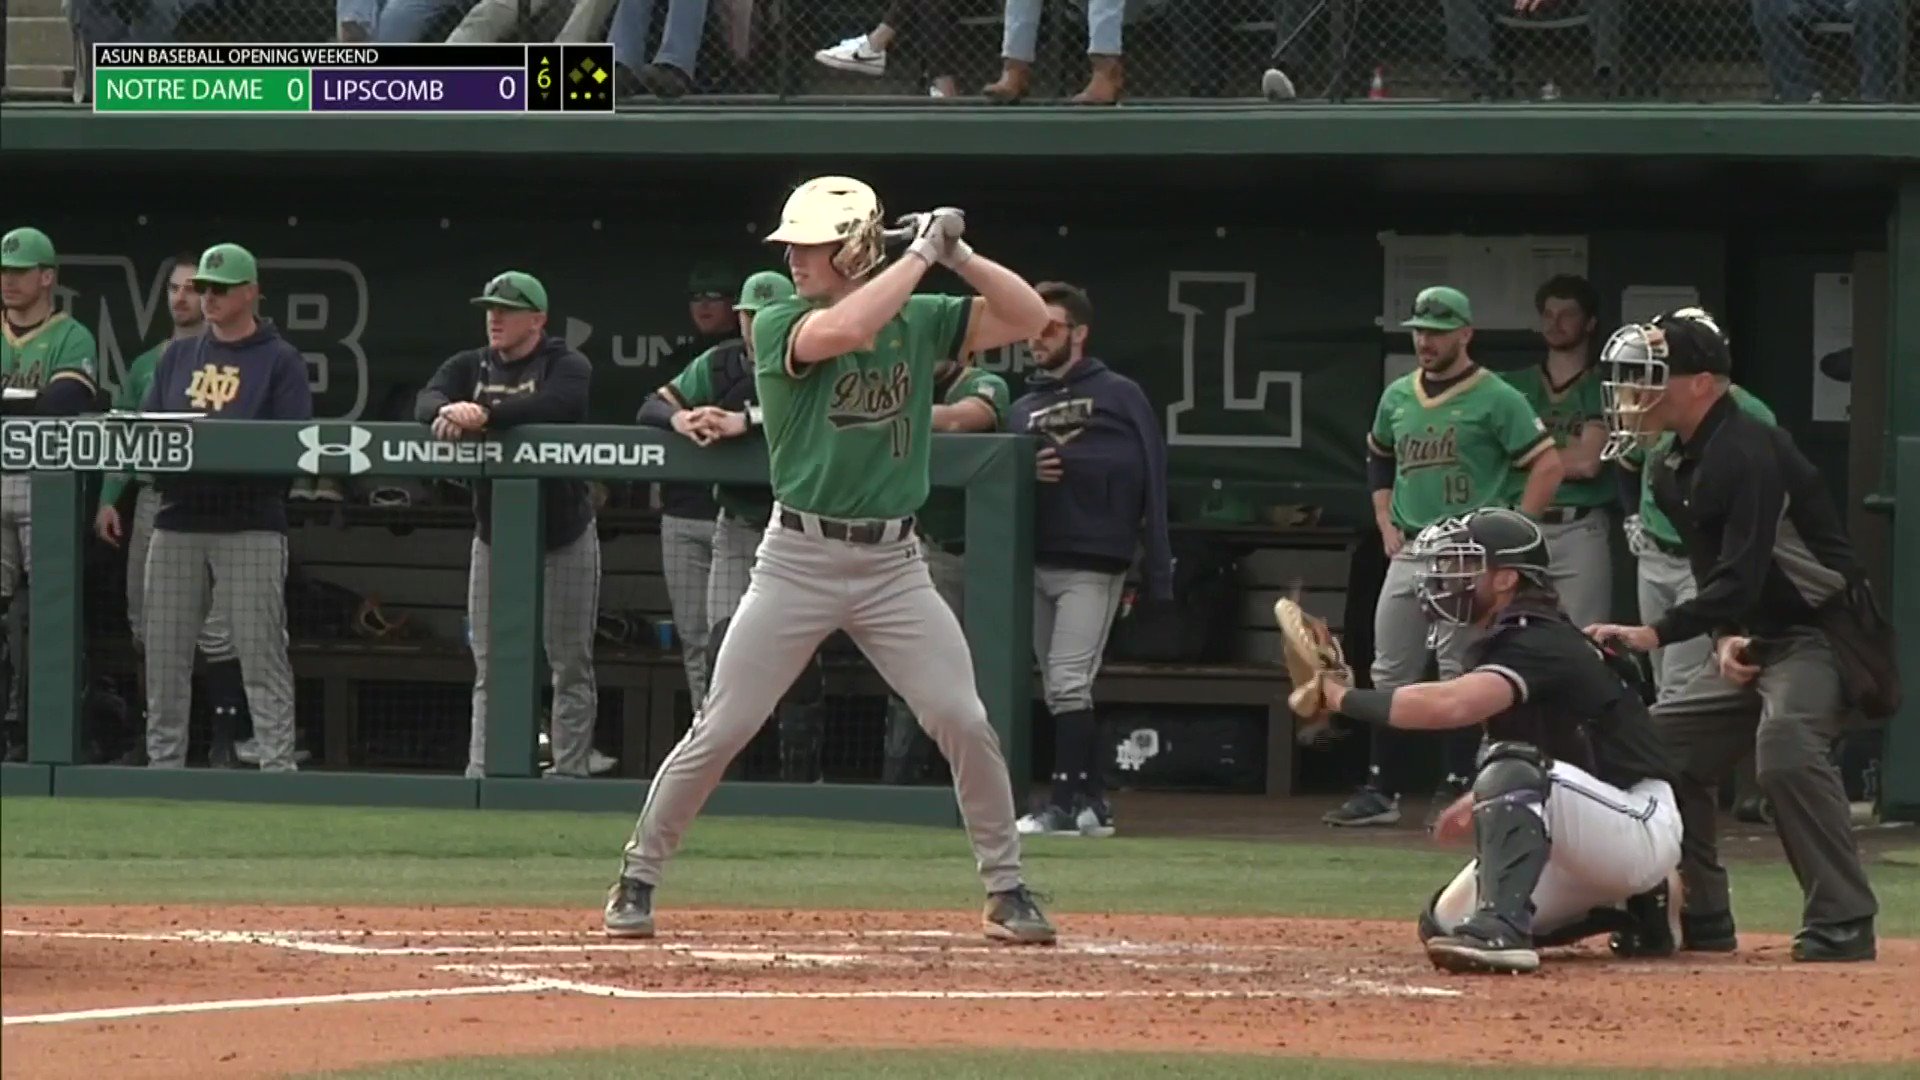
{"x":220,"y":543}
{"x":1773,"y":564}
{"x":525,"y":375}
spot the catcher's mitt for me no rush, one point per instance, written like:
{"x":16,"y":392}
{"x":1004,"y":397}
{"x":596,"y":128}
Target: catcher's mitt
{"x":1313,"y":656}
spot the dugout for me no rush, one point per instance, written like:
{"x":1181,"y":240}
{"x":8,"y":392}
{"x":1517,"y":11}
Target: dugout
{"x":1243,"y":266}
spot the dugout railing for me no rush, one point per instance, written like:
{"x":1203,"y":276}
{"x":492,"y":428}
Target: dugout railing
{"x":995,"y":471}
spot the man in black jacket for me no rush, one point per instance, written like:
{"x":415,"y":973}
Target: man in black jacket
{"x":1769,"y":552}
{"x":526,"y":376}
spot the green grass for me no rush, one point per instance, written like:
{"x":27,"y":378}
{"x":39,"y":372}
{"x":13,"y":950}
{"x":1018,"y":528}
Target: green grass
{"x":997,"y":1065}
{"x":115,"y":851}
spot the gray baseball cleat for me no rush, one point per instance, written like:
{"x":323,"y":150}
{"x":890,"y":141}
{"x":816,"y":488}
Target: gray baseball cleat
{"x":629,"y":912}
{"x":1013,"y":917}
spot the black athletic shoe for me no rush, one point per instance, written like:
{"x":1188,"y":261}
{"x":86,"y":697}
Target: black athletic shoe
{"x":629,"y":912}
{"x":1015,"y":917}
{"x":1840,"y":943}
{"x":1483,"y":946}
{"x":1650,"y":934}
{"x":1708,"y":933}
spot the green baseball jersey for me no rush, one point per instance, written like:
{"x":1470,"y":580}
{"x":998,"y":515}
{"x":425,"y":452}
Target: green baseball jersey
{"x":849,"y":437}
{"x":1565,"y":411}
{"x":1658,"y":525}
{"x":694,"y":387}
{"x":943,"y":520}
{"x":128,"y":395}
{"x":56,"y":349}
{"x":1465,"y":448}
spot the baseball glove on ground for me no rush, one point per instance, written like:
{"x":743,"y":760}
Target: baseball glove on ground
{"x":1313,"y":656}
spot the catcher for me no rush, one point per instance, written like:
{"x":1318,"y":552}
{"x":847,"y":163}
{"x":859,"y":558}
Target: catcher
{"x":1571,"y":811}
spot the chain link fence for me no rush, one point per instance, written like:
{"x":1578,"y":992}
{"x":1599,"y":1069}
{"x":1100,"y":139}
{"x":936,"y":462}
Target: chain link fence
{"x":1105,"y":50}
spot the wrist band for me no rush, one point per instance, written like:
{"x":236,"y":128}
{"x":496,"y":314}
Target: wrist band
{"x":1368,"y":706}
{"x":753,"y":415}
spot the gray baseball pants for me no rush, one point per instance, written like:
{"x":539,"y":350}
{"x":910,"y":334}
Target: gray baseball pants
{"x":734,"y":542}
{"x":570,"y":602}
{"x":1073,"y":613}
{"x":1403,"y":637}
{"x":1583,"y":567}
{"x":907,"y":749}
{"x":686,"y":560}
{"x":16,"y":559}
{"x":804,"y":586}
{"x":216,"y":637}
{"x":189,"y":575}
{"x":1666,"y":580}
{"x":1788,"y":718}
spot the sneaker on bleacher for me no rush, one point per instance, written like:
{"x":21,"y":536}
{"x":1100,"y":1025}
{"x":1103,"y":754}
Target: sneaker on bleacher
{"x":855,"y":54}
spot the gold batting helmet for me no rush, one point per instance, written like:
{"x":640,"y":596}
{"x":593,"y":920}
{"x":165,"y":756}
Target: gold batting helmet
{"x":835,"y":210}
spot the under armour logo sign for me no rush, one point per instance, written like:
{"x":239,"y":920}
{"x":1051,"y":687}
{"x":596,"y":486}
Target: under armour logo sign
{"x":354,"y":450}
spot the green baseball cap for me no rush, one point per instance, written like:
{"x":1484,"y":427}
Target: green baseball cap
{"x":227,"y":264}
{"x":514,"y":289}
{"x":711,"y":279}
{"x":763,"y":288}
{"x":1440,"y":308}
{"x":26,"y":248}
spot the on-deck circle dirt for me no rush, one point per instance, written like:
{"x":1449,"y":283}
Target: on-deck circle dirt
{"x":168,"y":991}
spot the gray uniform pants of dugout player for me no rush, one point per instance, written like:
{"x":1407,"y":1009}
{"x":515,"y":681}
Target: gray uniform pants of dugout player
{"x":1788,"y":717}
{"x":570,"y":601}
{"x":804,"y":587}
{"x":244,"y":574}
{"x":908,"y":749}
{"x":1667,"y":580}
{"x":733,"y":545}
{"x":1583,"y":567}
{"x":686,"y":561}
{"x":216,"y":636}
{"x":16,"y":558}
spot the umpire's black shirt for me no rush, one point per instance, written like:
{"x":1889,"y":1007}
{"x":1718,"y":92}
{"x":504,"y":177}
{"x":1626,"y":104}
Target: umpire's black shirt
{"x":1765,"y":540}
{"x":1567,"y":700}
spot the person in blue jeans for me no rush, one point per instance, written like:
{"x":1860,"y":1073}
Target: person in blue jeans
{"x":670,"y":74}
{"x":1105,"y":22}
{"x":1783,"y":43}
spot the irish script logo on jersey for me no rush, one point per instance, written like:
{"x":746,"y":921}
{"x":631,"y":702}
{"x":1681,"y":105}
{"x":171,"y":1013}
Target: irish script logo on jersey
{"x":1429,"y":450}
{"x":1064,"y":421}
{"x":861,"y":398}
{"x":214,"y":387}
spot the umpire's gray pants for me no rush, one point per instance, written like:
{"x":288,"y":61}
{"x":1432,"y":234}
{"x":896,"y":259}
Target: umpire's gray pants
{"x":734,"y":542}
{"x":1072,"y":615}
{"x":216,"y":637}
{"x":686,"y":560}
{"x":189,"y":574}
{"x":1666,"y":580}
{"x":1583,"y":567}
{"x":1788,"y":717}
{"x":570,"y":602}
{"x":1401,"y":632}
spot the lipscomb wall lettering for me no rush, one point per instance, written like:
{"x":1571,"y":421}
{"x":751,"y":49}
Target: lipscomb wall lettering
{"x":95,"y":445}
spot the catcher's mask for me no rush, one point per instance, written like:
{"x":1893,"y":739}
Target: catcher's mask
{"x":835,"y":210}
{"x":1635,"y":364}
{"x":1456,"y":554}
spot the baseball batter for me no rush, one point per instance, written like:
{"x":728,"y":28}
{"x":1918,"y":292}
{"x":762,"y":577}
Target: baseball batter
{"x":226,"y":690}
{"x":1447,"y":439}
{"x":220,"y":542}
{"x":1564,"y":390}
{"x":711,"y":399}
{"x":525,"y":375}
{"x":50,"y":356}
{"x":1666,"y":577}
{"x":845,"y":376}
{"x":1572,"y":812}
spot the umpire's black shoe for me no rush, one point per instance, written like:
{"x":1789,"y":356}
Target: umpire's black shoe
{"x":1836,"y":943}
{"x":629,"y":912}
{"x":1708,"y":933}
{"x":1484,"y":946}
{"x":1650,"y":934}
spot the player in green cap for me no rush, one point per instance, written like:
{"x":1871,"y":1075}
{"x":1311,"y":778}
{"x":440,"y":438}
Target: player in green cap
{"x":47,"y":367}
{"x":1564,"y":390}
{"x":525,"y":375}
{"x":1448,"y":438}
{"x":220,"y":542}
{"x":845,"y":383}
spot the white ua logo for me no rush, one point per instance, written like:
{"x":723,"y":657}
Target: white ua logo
{"x":358,"y":438}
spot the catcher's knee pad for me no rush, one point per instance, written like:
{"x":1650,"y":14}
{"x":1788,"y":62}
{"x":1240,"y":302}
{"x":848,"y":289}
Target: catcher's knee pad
{"x":1514,"y":772}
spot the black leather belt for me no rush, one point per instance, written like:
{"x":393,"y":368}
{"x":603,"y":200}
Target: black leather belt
{"x":1563,"y":515}
{"x":853,"y":532}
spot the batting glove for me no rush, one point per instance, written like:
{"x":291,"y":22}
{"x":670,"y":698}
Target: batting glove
{"x":952,"y":222}
{"x":934,"y":234}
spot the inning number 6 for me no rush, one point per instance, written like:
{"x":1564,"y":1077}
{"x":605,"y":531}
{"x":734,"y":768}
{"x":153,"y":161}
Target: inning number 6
{"x":544,"y":80}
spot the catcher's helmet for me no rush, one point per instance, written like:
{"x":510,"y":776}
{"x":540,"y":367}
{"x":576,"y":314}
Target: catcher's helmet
{"x":1636,"y":361}
{"x":835,"y":210}
{"x":1455,"y":553}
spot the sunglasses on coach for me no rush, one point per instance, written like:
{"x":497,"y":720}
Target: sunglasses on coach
{"x":212,"y":288}
{"x":1433,"y":309}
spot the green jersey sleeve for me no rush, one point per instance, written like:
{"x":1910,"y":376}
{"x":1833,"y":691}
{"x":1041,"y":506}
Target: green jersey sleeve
{"x":128,"y":395}
{"x":1520,"y":429}
{"x":693,"y":387}
{"x":1752,"y":405}
{"x":773,"y":331}
{"x":984,"y":386}
{"x":940,"y":325}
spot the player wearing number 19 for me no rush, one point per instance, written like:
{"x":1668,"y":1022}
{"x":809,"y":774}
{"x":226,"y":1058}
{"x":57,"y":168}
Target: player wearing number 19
{"x":1448,"y":438}
{"x":845,"y":373}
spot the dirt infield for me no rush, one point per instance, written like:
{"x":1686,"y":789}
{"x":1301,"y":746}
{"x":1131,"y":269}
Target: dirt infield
{"x":247,"y":991}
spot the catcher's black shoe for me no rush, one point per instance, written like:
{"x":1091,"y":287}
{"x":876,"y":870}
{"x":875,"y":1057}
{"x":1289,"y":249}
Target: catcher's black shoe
{"x":1708,"y":933}
{"x":629,"y":912}
{"x":1484,"y":946}
{"x":1651,"y":934}
{"x":1015,"y":918}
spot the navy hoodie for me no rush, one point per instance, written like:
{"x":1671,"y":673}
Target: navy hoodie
{"x":260,"y":377}
{"x":548,"y":386}
{"x":1112,"y":491}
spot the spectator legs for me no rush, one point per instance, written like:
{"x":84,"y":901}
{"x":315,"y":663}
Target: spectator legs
{"x":1607,"y":22}
{"x":410,"y":20}
{"x":1470,"y":41}
{"x":356,"y":19}
{"x":495,"y":20}
{"x":1020,"y":35}
{"x":1877,"y":34}
{"x":1783,"y":48}
{"x":680,"y":41}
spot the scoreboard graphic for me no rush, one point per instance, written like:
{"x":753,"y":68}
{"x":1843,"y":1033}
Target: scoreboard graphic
{"x":387,"y":79}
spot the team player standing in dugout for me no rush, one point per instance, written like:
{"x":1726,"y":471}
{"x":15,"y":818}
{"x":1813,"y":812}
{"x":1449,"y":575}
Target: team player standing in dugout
{"x":1769,"y":552}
